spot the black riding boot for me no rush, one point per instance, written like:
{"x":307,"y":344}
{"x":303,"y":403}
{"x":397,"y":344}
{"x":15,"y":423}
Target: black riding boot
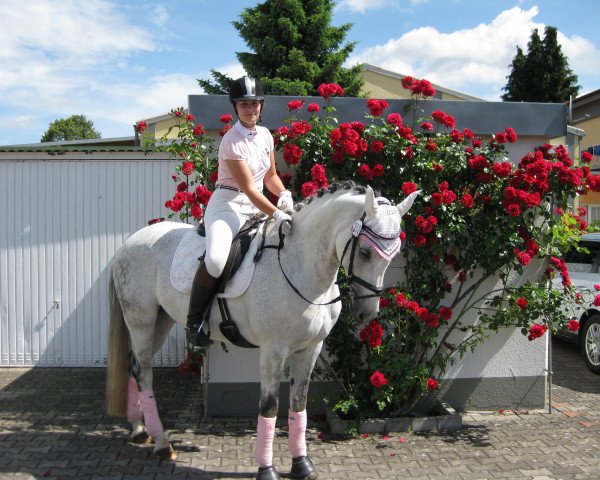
{"x":203,"y":289}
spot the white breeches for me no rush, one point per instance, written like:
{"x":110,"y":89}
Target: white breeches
{"x":225,"y":214}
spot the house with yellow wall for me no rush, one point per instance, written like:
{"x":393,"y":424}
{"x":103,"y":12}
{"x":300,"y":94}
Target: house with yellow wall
{"x":378,"y":83}
{"x":585,"y":118}
{"x":381,"y":83}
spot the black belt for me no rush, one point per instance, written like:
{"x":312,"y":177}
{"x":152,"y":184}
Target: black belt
{"x":227,"y":187}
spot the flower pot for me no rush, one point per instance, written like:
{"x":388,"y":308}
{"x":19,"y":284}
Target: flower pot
{"x":441,"y":418}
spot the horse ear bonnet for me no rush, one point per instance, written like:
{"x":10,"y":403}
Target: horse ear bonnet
{"x":383,"y":229}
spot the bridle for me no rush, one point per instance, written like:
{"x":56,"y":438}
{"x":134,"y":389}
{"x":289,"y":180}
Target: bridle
{"x":357,"y":228}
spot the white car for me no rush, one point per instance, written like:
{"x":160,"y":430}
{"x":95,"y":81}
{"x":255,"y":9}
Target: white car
{"x":584,"y":270}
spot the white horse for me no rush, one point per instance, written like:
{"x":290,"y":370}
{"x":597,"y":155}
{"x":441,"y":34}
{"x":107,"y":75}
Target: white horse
{"x":287,"y":318}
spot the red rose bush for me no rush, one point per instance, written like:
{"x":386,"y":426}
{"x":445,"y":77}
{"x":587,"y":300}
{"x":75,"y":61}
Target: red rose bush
{"x":482,"y":243}
{"x":482,"y":224}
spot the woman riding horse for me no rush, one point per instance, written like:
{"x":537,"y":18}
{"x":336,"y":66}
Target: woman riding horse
{"x":246,"y":163}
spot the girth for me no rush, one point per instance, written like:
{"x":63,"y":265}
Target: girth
{"x":239,"y":247}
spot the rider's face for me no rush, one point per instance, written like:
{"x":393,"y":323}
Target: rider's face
{"x":248,"y":111}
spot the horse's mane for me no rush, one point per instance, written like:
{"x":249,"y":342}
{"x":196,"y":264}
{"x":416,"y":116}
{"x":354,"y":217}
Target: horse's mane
{"x":333,"y":188}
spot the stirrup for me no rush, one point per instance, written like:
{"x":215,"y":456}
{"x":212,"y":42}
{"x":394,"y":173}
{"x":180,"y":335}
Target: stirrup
{"x":196,"y":337}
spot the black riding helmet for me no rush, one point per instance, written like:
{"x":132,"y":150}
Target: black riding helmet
{"x":246,"y":88}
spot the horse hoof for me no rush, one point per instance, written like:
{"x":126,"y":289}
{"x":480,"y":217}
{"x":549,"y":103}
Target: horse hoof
{"x":141,"y":438}
{"x":166,"y":453}
{"x":267,"y":473}
{"x":304,"y":468}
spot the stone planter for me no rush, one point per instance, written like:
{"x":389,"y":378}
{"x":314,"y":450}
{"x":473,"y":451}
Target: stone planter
{"x":443,"y":417}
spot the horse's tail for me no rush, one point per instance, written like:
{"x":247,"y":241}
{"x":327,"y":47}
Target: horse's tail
{"x":117,"y":372}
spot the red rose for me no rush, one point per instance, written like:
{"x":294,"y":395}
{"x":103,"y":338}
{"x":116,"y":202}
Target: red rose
{"x":432,"y":147}
{"x":536,"y":331}
{"x":378,"y":170}
{"x":141,"y":126}
{"x":226,"y":118}
{"x":199,"y":130}
{"x":196,"y":211}
{"x":432,"y":384}
{"x":445,"y":313}
{"x":377,"y":146}
{"x":394,"y":119}
{"x":523,"y":257}
{"x":427,"y":126}
{"x":327,"y":90}
{"x":309,"y":189}
{"x":187,"y":168}
{"x":467,"y":201}
{"x":203,"y":194}
{"x":292,"y":153}
{"x":408,"y":188}
{"x":419,"y":241}
{"x":573,"y":325}
{"x":522,"y":303}
{"x":586,"y":157}
{"x":407,"y":82}
{"x":295,"y":105}
{"x":376,"y":107}
{"x":313,"y":107}
{"x":378,"y":380}
{"x":224,"y":130}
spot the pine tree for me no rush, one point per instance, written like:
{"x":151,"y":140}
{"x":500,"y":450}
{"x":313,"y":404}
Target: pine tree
{"x":294,"y":49}
{"x":516,"y":79}
{"x":543,"y":75}
{"x":561,"y":82}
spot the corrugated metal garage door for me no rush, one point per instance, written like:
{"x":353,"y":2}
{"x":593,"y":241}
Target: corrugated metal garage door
{"x":62,"y":219}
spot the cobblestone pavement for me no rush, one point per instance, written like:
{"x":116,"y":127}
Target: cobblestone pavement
{"x":52,"y":425}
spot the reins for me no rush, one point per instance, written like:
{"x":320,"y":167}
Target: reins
{"x":357,"y":228}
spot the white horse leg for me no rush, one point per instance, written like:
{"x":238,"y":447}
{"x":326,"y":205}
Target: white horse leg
{"x":301,"y":367}
{"x":144,"y":343}
{"x":134,"y":413}
{"x":271,"y":367}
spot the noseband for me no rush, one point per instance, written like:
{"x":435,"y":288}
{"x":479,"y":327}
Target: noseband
{"x":357,"y":228}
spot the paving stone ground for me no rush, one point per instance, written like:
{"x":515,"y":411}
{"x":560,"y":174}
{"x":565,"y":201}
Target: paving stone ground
{"x":52,"y":425}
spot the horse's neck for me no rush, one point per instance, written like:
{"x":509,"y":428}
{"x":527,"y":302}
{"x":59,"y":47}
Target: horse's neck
{"x":314,"y":240}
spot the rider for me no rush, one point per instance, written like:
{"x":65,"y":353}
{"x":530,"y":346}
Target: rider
{"x":246,"y":164}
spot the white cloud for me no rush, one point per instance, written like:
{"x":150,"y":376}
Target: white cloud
{"x":161,"y":16}
{"x":583,"y":55}
{"x":361,"y":6}
{"x":459,"y":60}
{"x":51,"y":51}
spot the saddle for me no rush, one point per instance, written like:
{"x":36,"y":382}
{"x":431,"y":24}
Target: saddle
{"x":237,"y":252}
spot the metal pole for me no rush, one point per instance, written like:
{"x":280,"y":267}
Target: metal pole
{"x":549,"y":372}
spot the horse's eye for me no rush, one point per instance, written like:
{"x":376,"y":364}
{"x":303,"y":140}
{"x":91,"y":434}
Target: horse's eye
{"x":365,"y":252}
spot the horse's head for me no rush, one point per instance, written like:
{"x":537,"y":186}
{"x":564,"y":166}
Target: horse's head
{"x":374,"y":242}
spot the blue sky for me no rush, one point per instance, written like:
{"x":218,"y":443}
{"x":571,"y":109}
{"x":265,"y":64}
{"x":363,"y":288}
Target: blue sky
{"x":118,"y":61}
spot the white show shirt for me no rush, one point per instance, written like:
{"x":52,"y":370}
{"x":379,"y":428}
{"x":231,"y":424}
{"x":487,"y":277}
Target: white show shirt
{"x":252,"y":146}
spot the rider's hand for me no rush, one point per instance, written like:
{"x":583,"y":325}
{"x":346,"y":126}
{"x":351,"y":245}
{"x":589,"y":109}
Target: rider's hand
{"x":285,"y":201}
{"x":282,"y":217}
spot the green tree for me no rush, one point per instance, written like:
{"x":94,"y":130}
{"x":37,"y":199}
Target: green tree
{"x":543,"y":75}
{"x":294,"y":49}
{"x":76,"y":127}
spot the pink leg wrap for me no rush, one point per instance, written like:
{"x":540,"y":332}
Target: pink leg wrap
{"x":151,"y":419}
{"x":297,"y":433}
{"x":265,"y":433}
{"x":134,"y":410}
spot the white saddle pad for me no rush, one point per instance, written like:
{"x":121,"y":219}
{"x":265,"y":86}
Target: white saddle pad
{"x":185,"y":263}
